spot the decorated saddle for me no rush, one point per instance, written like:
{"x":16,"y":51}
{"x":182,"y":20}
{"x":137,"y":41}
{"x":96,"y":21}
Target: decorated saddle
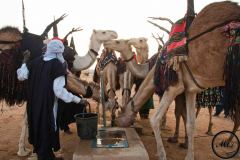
{"x":172,"y":53}
{"x":109,"y":57}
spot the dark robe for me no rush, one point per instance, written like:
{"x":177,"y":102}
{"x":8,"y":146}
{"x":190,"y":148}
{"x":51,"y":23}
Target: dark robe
{"x":66,"y":112}
{"x":42,"y":133}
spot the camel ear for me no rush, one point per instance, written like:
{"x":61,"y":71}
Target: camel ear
{"x":94,"y":31}
{"x":126,"y":41}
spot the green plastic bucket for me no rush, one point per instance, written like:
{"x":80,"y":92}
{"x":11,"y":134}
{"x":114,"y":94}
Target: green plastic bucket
{"x":86,"y":125}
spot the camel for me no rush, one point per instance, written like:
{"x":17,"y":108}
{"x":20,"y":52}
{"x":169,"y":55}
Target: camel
{"x":180,"y":109}
{"x":123,"y":46}
{"x":180,"y":104}
{"x":107,"y":69}
{"x":97,"y":38}
{"x":127,"y":77}
{"x":174,"y":139}
{"x":193,"y":75}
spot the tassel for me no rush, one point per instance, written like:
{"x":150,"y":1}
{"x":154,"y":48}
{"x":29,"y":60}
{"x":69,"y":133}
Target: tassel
{"x":232,"y":83}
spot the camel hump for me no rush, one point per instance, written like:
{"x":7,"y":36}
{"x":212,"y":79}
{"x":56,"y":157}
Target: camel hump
{"x":9,"y":33}
{"x":213,"y":15}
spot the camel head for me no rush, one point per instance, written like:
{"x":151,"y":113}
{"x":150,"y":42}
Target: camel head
{"x":120,"y":45}
{"x":102,"y":36}
{"x":141,"y":48}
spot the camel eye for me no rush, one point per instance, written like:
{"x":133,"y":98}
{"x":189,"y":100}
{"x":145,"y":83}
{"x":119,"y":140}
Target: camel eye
{"x":117,"y":42}
{"x":104,"y":32}
{"x":141,"y":40}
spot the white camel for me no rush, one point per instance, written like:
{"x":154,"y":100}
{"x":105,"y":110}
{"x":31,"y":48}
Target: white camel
{"x":98,"y":37}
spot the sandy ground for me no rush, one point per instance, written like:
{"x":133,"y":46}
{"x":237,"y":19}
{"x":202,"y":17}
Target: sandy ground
{"x":11,"y":121}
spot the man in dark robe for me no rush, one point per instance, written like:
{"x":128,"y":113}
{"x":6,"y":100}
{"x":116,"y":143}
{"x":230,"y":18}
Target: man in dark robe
{"x":46,"y":81}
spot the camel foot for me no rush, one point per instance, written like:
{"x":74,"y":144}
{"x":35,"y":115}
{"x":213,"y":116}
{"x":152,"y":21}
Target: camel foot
{"x":189,"y":157}
{"x":33,"y":156}
{"x":183,"y":145}
{"x":210,"y":133}
{"x":172,"y":140}
{"x":23,"y":152}
{"x":59,"y":153}
{"x":162,"y":156}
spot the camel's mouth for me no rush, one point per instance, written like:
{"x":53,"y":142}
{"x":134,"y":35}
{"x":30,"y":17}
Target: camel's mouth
{"x":123,"y":121}
{"x":114,"y":36}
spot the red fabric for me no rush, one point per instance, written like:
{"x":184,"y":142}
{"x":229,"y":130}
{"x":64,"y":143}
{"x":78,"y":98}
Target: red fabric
{"x":177,"y":38}
{"x":178,"y":28}
{"x":176,"y":44}
{"x":56,"y":38}
{"x":135,"y":57}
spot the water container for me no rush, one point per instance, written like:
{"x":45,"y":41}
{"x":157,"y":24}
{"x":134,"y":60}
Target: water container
{"x":87,"y":125}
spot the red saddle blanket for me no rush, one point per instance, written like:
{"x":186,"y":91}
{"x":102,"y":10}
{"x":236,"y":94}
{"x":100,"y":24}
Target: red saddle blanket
{"x":177,"y":38}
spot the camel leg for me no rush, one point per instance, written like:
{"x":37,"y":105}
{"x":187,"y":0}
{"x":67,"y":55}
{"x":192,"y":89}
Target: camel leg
{"x":22,"y":151}
{"x":164,"y":121}
{"x":198,"y":111}
{"x":174,"y":139}
{"x":168,"y":96}
{"x":180,"y":104}
{"x":191,"y":117}
{"x":144,"y":92}
{"x":209,"y":132}
{"x":235,"y":128}
{"x":183,"y":113}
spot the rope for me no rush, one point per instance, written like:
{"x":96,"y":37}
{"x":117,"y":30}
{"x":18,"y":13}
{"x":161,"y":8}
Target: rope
{"x":194,"y":80}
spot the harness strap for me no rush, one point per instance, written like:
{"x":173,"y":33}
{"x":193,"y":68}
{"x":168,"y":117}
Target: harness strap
{"x":210,"y":29}
{"x":194,"y":80}
{"x":128,"y":60}
{"x":95,"y":52}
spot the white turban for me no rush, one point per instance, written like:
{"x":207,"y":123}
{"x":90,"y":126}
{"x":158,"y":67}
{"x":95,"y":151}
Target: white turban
{"x":55,"y":48}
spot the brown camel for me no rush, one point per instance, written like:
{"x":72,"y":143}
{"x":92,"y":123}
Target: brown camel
{"x":127,"y":78}
{"x":107,"y":67}
{"x":123,"y":46}
{"x":193,"y":74}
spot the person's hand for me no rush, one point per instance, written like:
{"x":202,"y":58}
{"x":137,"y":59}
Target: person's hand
{"x":26,"y":56}
{"x":83,"y":102}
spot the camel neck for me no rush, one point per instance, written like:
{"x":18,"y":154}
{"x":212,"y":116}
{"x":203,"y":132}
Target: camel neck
{"x":128,"y":54}
{"x":94,"y":44}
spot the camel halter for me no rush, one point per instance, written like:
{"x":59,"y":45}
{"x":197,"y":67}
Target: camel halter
{"x":128,"y":60}
{"x":95,"y":52}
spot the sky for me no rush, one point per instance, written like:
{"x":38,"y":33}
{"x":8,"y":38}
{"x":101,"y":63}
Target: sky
{"x":127,"y":17}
